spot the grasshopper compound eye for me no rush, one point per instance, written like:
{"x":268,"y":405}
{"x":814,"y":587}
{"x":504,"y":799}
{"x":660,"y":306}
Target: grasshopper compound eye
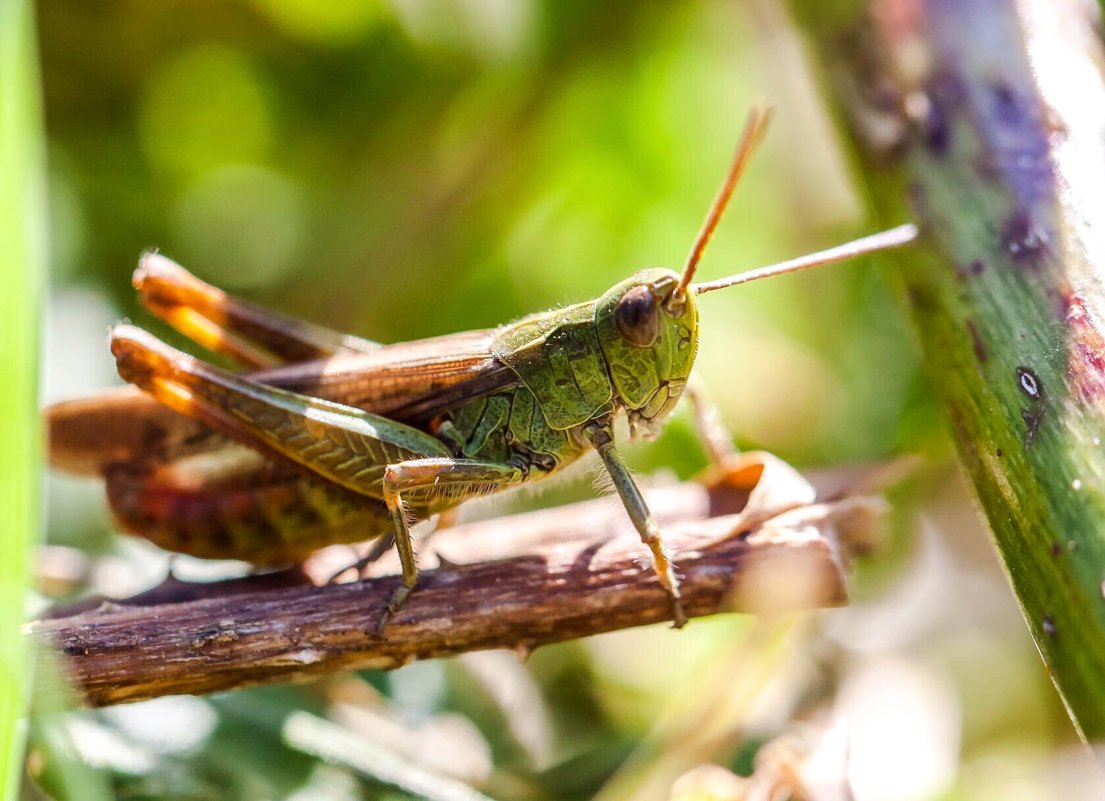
{"x":636,"y":317}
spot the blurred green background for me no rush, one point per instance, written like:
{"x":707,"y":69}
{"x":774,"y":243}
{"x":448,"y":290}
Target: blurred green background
{"x":404,"y":169}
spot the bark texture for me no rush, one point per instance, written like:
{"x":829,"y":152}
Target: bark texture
{"x":751,"y":539}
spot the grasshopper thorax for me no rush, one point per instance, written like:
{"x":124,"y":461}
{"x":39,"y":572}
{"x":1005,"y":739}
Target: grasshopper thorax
{"x":649,"y":337}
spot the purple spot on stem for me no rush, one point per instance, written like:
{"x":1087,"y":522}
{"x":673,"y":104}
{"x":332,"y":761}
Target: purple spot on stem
{"x":1007,"y":106}
{"x":936,"y":129}
{"x":976,"y":342}
{"x":1086,"y":361}
{"x":1022,"y":239}
{"x":946,"y":87}
{"x":945,"y":95}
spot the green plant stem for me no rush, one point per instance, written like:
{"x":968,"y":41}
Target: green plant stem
{"x":985,"y":121}
{"x":22,"y":259}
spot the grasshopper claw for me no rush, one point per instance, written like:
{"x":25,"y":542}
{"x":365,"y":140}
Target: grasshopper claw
{"x":678,"y":614}
{"x":402,"y":592}
{"x":382,"y":624}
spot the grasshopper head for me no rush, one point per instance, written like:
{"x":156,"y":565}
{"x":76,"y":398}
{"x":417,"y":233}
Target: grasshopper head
{"x":649,"y":337}
{"x":648,"y":324}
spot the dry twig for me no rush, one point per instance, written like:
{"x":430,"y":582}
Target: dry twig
{"x":751,"y":539}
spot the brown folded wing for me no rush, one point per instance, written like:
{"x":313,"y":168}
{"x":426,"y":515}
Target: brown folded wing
{"x":410,"y":382}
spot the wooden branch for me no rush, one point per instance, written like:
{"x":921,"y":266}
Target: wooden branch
{"x":984,"y":120}
{"x":752,"y":541}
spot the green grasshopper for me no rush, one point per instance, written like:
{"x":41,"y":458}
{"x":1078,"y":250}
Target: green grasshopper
{"x":333,"y":438}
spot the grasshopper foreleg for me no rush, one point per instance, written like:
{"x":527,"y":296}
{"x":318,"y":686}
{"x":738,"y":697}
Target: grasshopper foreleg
{"x":601,"y":436}
{"x":438,"y":478}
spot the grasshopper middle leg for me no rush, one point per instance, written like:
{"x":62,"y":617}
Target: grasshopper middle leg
{"x":441,"y":478}
{"x":715,"y":438}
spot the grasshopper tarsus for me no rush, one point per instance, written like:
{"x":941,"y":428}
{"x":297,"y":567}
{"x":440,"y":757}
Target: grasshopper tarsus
{"x":665,"y":571}
{"x":678,"y":614}
{"x":398,"y":597}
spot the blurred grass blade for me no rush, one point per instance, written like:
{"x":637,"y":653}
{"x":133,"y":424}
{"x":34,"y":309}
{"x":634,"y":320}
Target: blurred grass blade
{"x":56,"y":765}
{"x":701,"y":724}
{"x":22,"y":257}
{"x":333,"y":743}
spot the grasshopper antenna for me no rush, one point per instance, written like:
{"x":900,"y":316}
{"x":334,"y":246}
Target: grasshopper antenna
{"x":754,"y":129}
{"x":895,"y":237}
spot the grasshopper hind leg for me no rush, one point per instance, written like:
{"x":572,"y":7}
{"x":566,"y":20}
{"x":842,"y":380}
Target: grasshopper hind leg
{"x":410,"y":470}
{"x":249,"y":333}
{"x":197,"y":506}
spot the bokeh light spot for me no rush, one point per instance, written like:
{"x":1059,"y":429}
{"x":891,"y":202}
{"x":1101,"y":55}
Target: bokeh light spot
{"x":240,"y":226}
{"x":492,"y":30}
{"x":335,"y":22}
{"x":206,"y":108}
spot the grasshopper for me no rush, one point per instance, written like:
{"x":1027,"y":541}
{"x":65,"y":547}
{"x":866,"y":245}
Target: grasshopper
{"x":331,"y":438}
